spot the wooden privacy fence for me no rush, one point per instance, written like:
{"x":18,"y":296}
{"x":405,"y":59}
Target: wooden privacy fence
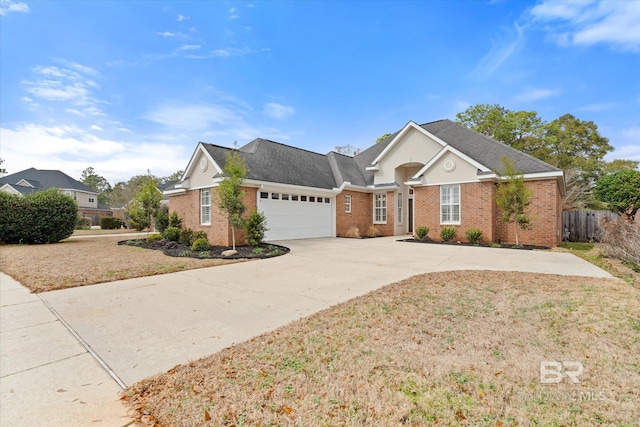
{"x":583,"y":226}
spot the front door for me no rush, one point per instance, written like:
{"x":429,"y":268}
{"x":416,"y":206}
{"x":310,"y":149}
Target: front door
{"x":410,"y":213}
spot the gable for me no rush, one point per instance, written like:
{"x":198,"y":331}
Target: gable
{"x":448,"y":168}
{"x":412,"y":147}
{"x":201,"y":169}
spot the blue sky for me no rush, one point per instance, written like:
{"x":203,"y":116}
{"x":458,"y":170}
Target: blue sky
{"x":131,"y":86}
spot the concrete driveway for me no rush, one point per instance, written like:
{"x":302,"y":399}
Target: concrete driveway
{"x":140,"y":327}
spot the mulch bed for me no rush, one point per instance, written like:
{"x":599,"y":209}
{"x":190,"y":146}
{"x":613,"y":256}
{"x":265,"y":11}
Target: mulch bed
{"x":175,"y":249}
{"x":482,"y":245}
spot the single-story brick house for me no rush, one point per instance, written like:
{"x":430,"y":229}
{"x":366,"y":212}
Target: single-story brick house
{"x":433,"y":175}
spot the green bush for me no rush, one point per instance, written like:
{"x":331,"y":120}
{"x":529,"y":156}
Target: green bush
{"x":83,"y":223}
{"x":43,"y":217}
{"x":421,"y":232}
{"x":255,"y":227}
{"x":110,"y":223}
{"x":175,"y":220}
{"x":473,"y":235}
{"x":171,"y":234}
{"x":161,"y":219}
{"x":447,"y":233}
{"x":186,"y":237}
{"x":154,"y":238}
{"x":200,"y":235}
{"x":201,"y":244}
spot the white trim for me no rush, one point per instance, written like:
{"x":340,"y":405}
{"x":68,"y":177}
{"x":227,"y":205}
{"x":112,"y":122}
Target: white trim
{"x":174,"y":191}
{"x":386,"y":207}
{"x":11,"y":188}
{"x":349,"y":204}
{"x":527,"y":176}
{"x":458,"y":222}
{"x":192,"y":163}
{"x":431,"y":184}
{"x":400,"y":135}
{"x":24,"y":183}
{"x":202,"y":206}
{"x":290,"y":188}
{"x":450,"y":149}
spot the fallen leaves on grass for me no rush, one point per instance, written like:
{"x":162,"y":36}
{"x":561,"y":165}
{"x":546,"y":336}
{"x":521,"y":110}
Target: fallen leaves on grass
{"x":86,"y":261}
{"x":443,"y":348}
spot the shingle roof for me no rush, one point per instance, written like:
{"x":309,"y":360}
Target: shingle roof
{"x":46,"y":179}
{"x":483,"y":149}
{"x":279,"y":163}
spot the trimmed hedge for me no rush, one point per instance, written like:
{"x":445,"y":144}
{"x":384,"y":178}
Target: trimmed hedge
{"x":447,"y":233}
{"x":110,"y":223}
{"x":43,"y":217}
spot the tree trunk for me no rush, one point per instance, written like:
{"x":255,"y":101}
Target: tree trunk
{"x":517,"y":240}
{"x":233,"y":237}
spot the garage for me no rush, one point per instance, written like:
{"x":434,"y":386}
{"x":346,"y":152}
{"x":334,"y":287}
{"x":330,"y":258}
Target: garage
{"x":296,"y":216}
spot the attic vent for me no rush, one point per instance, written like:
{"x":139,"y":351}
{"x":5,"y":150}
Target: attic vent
{"x":449,"y":165}
{"x":203,"y":164}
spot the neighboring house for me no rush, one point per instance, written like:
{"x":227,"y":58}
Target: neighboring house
{"x":31,"y":180}
{"x":436,"y":174}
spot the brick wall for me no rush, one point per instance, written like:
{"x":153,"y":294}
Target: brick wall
{"x":545,"y":213}
{"x":478,"y":209}
{"x":387,"y":229}
{"x":219,"y":232}
{"x":361,"y":212}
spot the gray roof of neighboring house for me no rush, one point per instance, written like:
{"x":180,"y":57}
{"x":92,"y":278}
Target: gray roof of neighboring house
{"x":43,"y":179}
{"x":279,"y":163}
{"x":22,"y":189}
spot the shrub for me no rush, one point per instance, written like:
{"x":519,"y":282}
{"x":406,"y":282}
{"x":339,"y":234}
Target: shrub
{"x":353,"y":232}
{"x":171,"y":234}
{"x":473,"y":235}
{"x":186,"y":237}
{"x":255,"y":227}
{"x":83,"y":223}
{"x":373,"y":232}
{"x":43,"y":217}
{"x":447,"y":233}
{"x":200,"y":235}
{"x":154,"y":238}
{"x":175,"y":220}
{"x":421,"y":232}
{"x":200,"y":245}
{"x":110,"y":223}
{"x":621,"y":239}
{"x":162,"y":219}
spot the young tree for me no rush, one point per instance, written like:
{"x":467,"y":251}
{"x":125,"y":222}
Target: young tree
{"x":230,"y":198}
{"x":513,"y":197}
{"x":621,"y":191}
{"x":144,"y":205}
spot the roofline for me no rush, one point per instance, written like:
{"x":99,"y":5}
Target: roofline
{"x":405,"y":129}
{"x":191,"y":163}
{"x":449,"y":149}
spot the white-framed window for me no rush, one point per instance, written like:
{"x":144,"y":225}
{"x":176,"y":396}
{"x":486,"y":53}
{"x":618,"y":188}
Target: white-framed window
{"x":380,"y":208}
{"x":347,"y":203}
{"x":205,"y":207}
{"x":91,"y":199}
{"x":450,"y":204}
{"x":399,"y":208}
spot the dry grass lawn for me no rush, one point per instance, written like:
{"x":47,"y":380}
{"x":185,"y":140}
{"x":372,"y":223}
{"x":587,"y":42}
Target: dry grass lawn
{"x":455,"y":348}
{"x":88,"y":260}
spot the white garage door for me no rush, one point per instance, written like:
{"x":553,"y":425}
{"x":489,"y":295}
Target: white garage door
{"x":296,"y":216}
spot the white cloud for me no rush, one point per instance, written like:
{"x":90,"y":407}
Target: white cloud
{"x":189,"y":47}
{"x":616,"y":23}
{"x":278,"y":111}
{"x":231,"y":51}
{"x":598,"y":107}
{"x":626,"y":142}
{"x":501,"y":51}
{"x":193,"y":118}
{"x":53,"y":83}
{"x":536,"y":94}
{"x":71,"y":149}
{"x":96,"y":127}
{"x":7,"y":6}
{"x":181,"y":18}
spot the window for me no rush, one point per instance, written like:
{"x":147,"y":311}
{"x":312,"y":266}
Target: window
{"x":327,"y":200}
{"x":347,"y":204}
{"x":91,"y":199}
{"x":450,"y":204}
{"x":303,"y":198}
{"x":319,"y":200}
{"x":285,"y":197}
{"x":294,"y":197}
{"x":264,"y":195}
{"x":205,"y":207}
{"x":399,"y":208}
{"x":380,"y":208}
{"x":275,"y":196}
{"x":312,"y":199}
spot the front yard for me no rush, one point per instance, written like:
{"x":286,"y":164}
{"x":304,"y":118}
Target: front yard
{"x":89,"y":260}
{"x":454,"y":348}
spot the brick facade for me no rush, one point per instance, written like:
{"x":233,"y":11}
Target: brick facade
{"x":478,"y":210}
{"x":361,"y":215}
{"x":219,"y":231}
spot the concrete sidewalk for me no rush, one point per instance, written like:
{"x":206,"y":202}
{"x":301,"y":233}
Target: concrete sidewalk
{"x":143,"y":326}
{"x":46,"y":376}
